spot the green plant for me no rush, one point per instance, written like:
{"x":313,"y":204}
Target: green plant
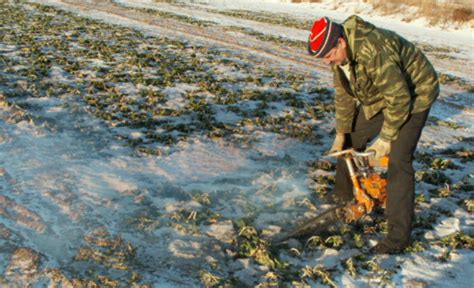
{"x":335,"y":241}
{"x":251,"y":245}
{"x":351,"y":267}
{"x":318,"y":272}
{"x":457,"y":240}
{"x":435,"y":177}
{"x":415,"y":247}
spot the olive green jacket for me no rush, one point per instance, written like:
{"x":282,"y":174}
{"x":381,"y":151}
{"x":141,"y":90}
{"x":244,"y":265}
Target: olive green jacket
{"x":387,"y":73}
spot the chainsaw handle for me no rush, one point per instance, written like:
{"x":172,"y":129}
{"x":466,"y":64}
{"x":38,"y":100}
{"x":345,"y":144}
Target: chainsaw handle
{"x":352,"y":152}
{"x":364,"y":154}
{"x":382,"y":162}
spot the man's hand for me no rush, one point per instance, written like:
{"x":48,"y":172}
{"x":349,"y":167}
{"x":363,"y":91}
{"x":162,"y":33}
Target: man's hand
{"x":337,"y":144}
{"x":380,"y":147}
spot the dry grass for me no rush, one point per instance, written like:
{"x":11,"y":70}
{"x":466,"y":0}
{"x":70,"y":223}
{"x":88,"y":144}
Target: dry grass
{"x":435,"y":11}
{"x":301,"y":1}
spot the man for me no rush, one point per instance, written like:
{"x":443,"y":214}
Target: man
{"x":384,"y":88}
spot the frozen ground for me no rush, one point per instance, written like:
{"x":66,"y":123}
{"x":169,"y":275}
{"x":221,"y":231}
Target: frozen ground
{"x":157,"y":145}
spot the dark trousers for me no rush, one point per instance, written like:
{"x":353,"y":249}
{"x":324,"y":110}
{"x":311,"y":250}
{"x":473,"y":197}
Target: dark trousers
{"x":400,"y":174}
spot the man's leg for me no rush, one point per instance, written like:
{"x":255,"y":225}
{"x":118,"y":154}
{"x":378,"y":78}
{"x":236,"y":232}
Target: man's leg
{"x":401,"y":182}
{"x":364,"y":131}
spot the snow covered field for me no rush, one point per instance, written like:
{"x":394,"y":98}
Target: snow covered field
{"x":148,"y":144}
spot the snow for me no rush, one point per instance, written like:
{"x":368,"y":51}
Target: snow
{"x":65,"y":173}
{"x":416,"y":30}
{"x":460,"y":38}
{"x":455,"y":273}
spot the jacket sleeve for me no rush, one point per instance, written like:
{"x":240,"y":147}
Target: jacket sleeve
{"x":345,"y":106}
{"x":390,"y":80}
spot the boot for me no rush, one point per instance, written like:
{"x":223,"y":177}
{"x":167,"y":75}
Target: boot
{"x":388,"y":247}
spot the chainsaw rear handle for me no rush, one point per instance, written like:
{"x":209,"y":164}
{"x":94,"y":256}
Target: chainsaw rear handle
{"x":352,"y":152}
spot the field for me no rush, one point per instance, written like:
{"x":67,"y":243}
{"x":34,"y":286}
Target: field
{"x":154,"y":144}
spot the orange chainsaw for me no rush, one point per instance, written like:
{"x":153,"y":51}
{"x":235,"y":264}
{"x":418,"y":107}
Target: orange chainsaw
{"x":369,"y":187}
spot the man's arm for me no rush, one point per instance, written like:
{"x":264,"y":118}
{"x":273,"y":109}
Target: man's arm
{"x":391,"y":83}
{"x":345,"y":106}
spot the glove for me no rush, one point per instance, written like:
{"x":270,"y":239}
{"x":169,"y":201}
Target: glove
{"x":338,"y":143}
{"x":380,"y":147}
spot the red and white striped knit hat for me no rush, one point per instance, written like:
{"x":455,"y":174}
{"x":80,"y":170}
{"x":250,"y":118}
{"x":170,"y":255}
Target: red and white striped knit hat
{"x":323,"y":37}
